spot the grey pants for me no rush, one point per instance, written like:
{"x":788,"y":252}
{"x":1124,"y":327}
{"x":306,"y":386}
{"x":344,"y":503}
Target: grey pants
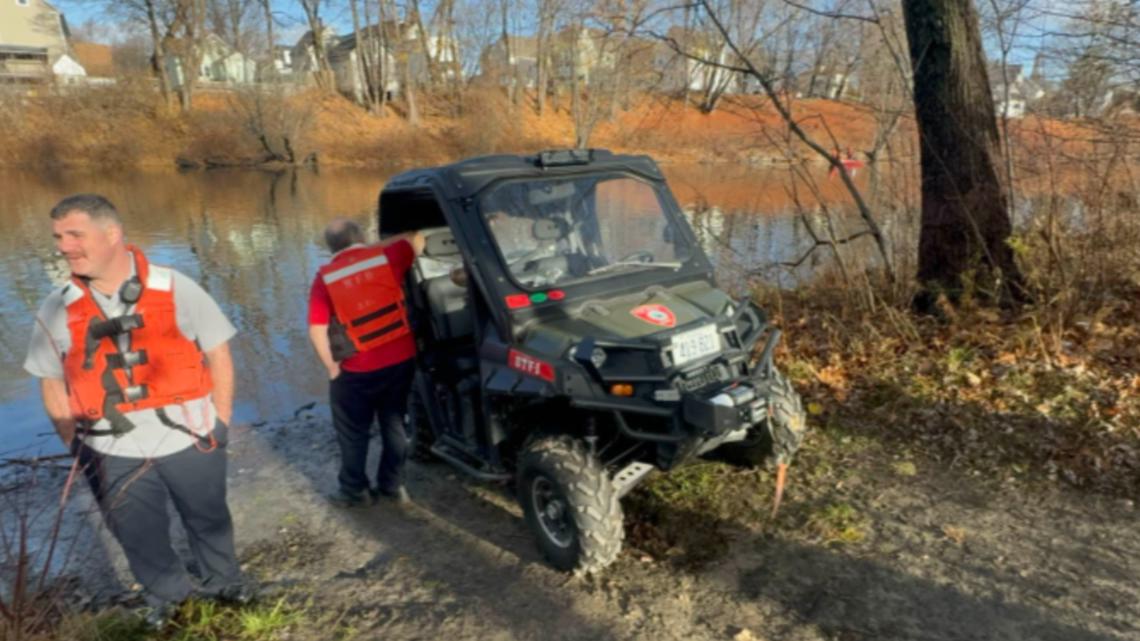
{"x":132,"y":494}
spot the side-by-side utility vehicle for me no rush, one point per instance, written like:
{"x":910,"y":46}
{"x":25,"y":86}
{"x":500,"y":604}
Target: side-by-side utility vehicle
{"x":572,"y":339}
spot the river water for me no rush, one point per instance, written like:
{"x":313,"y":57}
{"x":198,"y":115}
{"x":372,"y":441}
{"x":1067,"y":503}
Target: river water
{"x":253,"y":239}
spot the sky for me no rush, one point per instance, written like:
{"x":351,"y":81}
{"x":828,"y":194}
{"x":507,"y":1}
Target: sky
{"x":290,"y":20}
{"x":291,"y":24}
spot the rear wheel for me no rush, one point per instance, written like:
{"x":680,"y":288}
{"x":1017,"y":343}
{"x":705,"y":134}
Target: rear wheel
{"x":570,"y":505}
{"x":782,"y":432}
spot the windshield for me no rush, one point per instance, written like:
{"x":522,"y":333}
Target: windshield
{"x":558,"y":231}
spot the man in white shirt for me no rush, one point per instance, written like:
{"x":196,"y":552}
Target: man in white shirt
{"x":137,"y":378}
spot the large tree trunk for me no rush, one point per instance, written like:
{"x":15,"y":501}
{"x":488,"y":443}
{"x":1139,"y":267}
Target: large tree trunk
{"x":965,"y":216}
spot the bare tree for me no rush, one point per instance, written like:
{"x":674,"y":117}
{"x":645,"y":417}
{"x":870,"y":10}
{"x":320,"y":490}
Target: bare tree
{"x":183,"y":40}
{"x":768,"y":79}
{"x":548,"y":11}
{"x":271,"y":42}
{"x":1007,"y":17}
{"x":151,"y":11}
{"x":317,"y":28}
{"x":233,"y":21}
{"x":176,"y":29}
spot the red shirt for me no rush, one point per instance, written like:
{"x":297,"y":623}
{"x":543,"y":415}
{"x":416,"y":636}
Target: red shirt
{"x":400,"y":256}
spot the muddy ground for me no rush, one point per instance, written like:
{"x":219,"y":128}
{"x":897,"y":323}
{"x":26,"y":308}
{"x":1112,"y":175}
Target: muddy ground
{"x":866,"y":547}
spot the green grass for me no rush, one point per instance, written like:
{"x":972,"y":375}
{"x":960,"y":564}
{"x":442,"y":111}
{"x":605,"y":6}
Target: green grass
{"x":196,"y":620}
{"x":266,"y":623}
{"x":838,"y":523}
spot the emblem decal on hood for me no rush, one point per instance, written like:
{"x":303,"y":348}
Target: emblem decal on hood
{"x":659,"y":315}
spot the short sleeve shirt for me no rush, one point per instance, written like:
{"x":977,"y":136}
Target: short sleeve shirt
{"x":400,"y":257}
{"x":199,"y":319}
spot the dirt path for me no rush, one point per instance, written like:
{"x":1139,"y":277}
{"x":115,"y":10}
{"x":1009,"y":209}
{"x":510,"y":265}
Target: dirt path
{"x":940,"y":559}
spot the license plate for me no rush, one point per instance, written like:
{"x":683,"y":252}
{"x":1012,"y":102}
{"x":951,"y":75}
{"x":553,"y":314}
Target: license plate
{"x":693,"y":344}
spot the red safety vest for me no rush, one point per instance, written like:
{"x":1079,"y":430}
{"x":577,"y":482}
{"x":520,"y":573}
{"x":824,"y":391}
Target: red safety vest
{"x":162,"y":367}
{"x":367,"y":300}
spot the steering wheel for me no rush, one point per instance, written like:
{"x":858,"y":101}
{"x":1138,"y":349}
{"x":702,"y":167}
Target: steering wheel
{"x":641,"y":256}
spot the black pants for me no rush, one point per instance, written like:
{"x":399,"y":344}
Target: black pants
{"x":132,"y":495}
{"x":356,"y":399}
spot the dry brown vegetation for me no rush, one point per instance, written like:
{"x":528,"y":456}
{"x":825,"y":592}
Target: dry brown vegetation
{"x":126,"y":125}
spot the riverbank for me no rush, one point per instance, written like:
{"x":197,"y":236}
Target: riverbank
{"x":126,"y":126}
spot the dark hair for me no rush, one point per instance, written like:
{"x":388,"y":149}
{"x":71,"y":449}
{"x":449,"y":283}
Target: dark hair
{"x":94,"y":205}
{"x":341,"y":234}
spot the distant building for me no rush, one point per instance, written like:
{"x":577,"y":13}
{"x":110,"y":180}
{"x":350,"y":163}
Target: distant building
{"x":283,"y":59}
{"x":1023,"y":91}
{"x":345,"y":58}
{"x":303,"y":55}
{"x":219,"y":63}
{"x":33,"y":41}
{"x":520,"y":66}
{"x":698,"y":65}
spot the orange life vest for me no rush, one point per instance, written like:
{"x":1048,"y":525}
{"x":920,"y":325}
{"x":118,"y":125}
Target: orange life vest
{"x":367,"y":299}
{"x":162,"y":367}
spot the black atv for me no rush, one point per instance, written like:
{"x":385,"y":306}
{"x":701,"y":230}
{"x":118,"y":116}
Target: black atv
{"x":571,"y":339}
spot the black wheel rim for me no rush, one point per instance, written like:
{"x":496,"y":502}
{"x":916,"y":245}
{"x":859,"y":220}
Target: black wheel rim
{"x":552,"y":512}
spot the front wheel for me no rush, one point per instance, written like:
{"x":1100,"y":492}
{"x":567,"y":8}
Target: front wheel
{"x":570,"y":505}
{"x":779,"y":435}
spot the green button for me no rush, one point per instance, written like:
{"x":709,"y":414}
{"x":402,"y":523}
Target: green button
{"x":540,"y":297}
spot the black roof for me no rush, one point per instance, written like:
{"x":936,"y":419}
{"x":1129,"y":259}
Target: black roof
{"x":469,"y":177}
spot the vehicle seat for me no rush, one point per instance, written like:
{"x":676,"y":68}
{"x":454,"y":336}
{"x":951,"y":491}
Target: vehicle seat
{"x":447,"y":301}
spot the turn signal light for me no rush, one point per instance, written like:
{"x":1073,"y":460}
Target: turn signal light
{"x":621,"y":389}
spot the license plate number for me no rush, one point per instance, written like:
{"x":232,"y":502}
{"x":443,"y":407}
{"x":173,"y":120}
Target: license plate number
{"x":693,"y":344}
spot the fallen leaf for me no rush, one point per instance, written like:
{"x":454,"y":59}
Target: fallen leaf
{"x":815,"y":409}
{"x":954,"y":533}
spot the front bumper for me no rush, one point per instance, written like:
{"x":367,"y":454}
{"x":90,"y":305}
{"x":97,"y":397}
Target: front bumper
{"x":739,"y":406}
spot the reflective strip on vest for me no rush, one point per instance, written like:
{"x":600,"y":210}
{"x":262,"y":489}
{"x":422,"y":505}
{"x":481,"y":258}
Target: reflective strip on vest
{"x":160,"y":279}
{"x":355,"y":268}
{"x":71,"y":293}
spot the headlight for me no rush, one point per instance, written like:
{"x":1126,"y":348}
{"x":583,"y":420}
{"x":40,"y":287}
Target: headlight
{"x":598,"y":357}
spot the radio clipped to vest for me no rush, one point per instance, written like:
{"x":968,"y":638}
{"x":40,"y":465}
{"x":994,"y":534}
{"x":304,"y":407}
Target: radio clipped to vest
{"x":367,"y":300}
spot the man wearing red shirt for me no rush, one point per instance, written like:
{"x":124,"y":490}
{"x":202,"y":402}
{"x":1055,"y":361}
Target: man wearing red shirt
{"x":359,"y":328}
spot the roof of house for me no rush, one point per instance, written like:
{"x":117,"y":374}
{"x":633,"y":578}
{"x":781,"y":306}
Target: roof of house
{"x":95,"y":58}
